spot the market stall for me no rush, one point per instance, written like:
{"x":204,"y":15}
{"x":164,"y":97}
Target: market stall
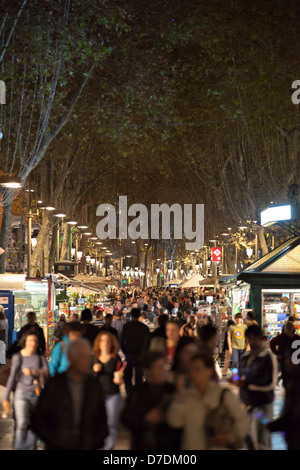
{"x":174,"y":283}
{"x":270,"y":286}
{"x":19,"y":295}
{"x":84,"y":291}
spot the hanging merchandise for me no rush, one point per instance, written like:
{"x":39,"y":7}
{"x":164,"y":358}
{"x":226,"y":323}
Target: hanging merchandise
{"x":50,"y":328}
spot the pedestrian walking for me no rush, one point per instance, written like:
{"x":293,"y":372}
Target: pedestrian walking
{"x":257,"y":381}
{"x":190,"y":328}
{"x":59,"y":328}
{"x":90,"y":331}
{"x":209,"y":344}
{"x":31,"y":325}
{"x":133,"y":340}
{"x":59,"y":356}
{"x":236,"y":340}
{"x":70,"y":413}
{"x":282,"y":347}
{"x":29,"y":371}
{"x":108,"y":368}
{"x":209,"y":415}
{"x":288,"y":422}
{"x":108,"y":325}
{"x":144,"y":413}
{"x":118,"y":323}
{"x":227,"y":355}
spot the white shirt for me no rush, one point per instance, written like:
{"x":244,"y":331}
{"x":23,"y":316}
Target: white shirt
{"x":189,"y":409}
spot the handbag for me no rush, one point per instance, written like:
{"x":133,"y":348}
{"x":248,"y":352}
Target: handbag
{"x":39,"y":379}
{"x":219,"y":421}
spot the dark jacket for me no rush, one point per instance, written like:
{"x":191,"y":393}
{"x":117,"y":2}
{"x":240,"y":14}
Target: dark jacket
{"x":134,"y":337}
{"x":52,"y":418}
{"x":259,"y":368}
{"x":281,"y":346}
{"x":110,"y":329}
{"x":289,"y":421}
{"x":90,"y":332}
{"x":144,"y":435}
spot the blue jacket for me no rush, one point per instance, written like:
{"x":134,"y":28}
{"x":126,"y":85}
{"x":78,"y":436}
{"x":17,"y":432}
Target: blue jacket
{"x":59,"y":360}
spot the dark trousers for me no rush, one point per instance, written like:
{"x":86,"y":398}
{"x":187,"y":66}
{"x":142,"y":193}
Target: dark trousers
{"x":132,"y":363}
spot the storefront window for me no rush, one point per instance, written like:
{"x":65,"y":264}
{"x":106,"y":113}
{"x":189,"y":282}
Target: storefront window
{"x":34,"y":297}
{"x":277,"y":305}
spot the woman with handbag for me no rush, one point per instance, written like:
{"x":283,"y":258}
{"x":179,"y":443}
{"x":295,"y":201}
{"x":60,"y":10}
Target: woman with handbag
{"x":28,"y":373}
{"x":109,"y":368}
{"x":210,"y":416}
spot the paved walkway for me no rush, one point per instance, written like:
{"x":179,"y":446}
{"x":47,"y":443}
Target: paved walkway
{"x":123,"y":439}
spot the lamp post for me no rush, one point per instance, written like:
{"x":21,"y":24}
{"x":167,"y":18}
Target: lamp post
{"x":79,"y":256}
{"x":29,"y":244}
{"x":157,"y":274}
{"x":88,"y":259}
{"x":93,"y":264}
{"x":208,"y":263}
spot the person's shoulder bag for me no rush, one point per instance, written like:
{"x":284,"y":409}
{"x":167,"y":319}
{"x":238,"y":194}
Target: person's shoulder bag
{"x":220,"y":421}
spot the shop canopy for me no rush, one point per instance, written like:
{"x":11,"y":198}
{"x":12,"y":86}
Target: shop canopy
{"x":210,"y":282}
{"x":279,"y":267}
{"x":92,"y":283}
{"x":12,"y":282}
{"x":194,"y":281}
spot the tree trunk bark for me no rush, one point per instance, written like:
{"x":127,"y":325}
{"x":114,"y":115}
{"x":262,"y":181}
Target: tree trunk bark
{"x":262,"y":240}
{"x":5,"y":227}
{"x":52,"y":248}
{"x":64,"y":246}
{"x":41,"y":241}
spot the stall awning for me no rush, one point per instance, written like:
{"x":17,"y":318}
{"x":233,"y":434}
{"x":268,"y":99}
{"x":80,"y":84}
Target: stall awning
{"x":194,"y":281}
{"x":283,"y":259}
{"x":12,"y":282}
{"x":280,"y":266}
{"x":92,"y":283}
{"x":228,"y":280}
{"x":209,"y":282}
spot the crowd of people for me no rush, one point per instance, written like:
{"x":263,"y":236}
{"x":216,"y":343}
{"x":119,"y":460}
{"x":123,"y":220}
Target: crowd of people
{"x":147,"y":362}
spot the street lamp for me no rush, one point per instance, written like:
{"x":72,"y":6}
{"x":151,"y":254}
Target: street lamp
{"x":208,"y":263}
{"x":12,"y":182}
{"x":59,"y":214}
